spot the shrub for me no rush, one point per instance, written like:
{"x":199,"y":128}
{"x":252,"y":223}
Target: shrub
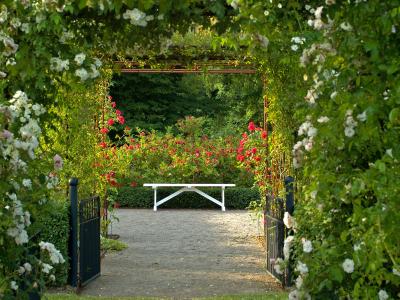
{"x":53,"y":226}
{"x":141,"y":197}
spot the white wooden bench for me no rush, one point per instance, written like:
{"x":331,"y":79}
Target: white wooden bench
{"x":189,"y":187}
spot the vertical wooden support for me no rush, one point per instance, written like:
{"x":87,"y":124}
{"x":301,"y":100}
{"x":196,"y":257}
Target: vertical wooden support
{"x":73,"y":245}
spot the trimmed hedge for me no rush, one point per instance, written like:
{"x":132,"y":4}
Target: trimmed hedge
{"x":53,"y":226}
{"x":143,"y":197}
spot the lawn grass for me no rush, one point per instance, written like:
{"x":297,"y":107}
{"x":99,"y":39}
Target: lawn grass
{"x":267,"y":296}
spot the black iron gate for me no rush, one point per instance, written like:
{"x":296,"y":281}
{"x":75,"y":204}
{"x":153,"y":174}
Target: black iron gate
{"x":85,"y":237}
{"x":275,"y":231}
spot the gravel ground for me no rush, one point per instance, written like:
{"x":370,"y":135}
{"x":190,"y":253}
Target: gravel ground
{"x":184,"y":254}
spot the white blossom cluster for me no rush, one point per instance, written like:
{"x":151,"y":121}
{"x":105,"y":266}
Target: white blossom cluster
{"x":310,"y":132}
{"x":296,"y":41}
{"x":137,"y":17}
{"x":54,"y":254}
{"x":82,"y":73}
{"x":319,"y":52}
{"x":349,"y":124}
{"x":21,"y":221}
{"x":21,"y":109}
{"x":66,"y":36}
{"x":59,"y":65}
{"x":52,"y":181}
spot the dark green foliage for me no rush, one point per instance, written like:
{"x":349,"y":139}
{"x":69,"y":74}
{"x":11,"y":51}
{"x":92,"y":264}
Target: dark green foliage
{"x":53,"y":226}
{"x":156,"y":101}
{"x":141,"y":197}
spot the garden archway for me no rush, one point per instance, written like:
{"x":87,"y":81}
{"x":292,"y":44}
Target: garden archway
{"x":48,"y":62}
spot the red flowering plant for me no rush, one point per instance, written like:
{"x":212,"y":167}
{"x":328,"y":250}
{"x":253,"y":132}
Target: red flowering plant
{"x":186,"y":157}
{"x":113,"y":162}
{"x":252,"y":155}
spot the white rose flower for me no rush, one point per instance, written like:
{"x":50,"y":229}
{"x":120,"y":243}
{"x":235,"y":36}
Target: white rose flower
{"x":21,"y":270}
{"x":348,"y":265}
{"x":286,"y":246}
{"x":294,"y":47}
{"x":302,"y":268}
{"x":362,"y":117}
{"x":294,"y":295}
{"x":346,"y":26}
{"x":52,"y":277}
{"x":80,"y":58}
{"x":349,"y":132}
{"x":28,"y":267}
{"x":82,"y":74}
{"x":383,"y":295}
{"x":22,"y":238}
{"x":46,"y":268}
{"x":13,"y":285}
{"x":27,"y":183}
{"x":278,"y":266}
{"x":27,"y":218}
{"x":288,"y":220}
{"x":299,"y":282}
{"x":307,"y":246}
{"x":318,"y":12}
{"x":323,"y":119}
{"x":312,"y":131}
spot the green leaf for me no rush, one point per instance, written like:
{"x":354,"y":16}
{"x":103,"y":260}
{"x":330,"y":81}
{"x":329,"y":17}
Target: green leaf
{"x":337,"y":273}
{"x":394,"y":116}
{"x":380,"y":165}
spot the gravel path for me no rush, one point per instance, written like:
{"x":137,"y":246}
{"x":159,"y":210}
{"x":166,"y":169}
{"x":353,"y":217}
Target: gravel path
{"x":184,"y":254}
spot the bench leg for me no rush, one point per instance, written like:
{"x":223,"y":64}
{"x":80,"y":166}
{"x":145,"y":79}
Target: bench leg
{"x":223,"y":199}
{"x":155,"y":198}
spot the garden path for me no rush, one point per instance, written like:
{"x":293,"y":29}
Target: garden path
{"x":184,"y":254}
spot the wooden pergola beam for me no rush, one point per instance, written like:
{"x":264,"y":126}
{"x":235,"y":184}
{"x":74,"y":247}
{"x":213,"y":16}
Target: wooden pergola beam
{"x":189,"y":71}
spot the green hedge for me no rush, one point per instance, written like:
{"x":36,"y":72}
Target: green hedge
{"x":53,"y":226}
{"x":141,"y":197}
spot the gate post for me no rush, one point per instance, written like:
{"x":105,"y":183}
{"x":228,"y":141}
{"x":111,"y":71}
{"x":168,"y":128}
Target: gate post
{"x":73,"y":194}
{"x":289,"y":182}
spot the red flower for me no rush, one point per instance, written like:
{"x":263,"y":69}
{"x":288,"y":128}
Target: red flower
{"x":133,"y":184}
{"x":257,"y":158}
{"x":121,"y":119}
{"x":110,"y":98}
{"x":264,"y":134}
{"x":104,"y":130}
{"x":240,"y":157}
{"x":113,"y":104}
{"x":244,"y":135}
{"x":240,"y":150}
{"x":252,"y":127}
{"x":103,"y":145}
{"x":118,"y":112}
{"x":254,"y":150}
{"x":110,"y":122}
